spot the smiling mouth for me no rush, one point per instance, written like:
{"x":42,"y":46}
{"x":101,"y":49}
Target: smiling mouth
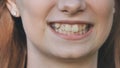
{"x":71,"y":30}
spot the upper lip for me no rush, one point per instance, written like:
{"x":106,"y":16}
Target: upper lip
{"x":70,"y":22}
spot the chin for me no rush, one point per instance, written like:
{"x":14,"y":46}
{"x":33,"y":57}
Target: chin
{"x":73,"y":54}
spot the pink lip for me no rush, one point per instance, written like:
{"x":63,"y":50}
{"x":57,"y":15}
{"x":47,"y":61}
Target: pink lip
{"x":72,"y":36}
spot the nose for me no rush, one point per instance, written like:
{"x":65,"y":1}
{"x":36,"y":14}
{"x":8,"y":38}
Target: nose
{"x":71,"y":6}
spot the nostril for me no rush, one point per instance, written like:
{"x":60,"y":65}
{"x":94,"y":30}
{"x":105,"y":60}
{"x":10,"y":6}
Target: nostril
{"x":72,"y":12}
{"x":64,"y":11}
{"x":71,"y":6}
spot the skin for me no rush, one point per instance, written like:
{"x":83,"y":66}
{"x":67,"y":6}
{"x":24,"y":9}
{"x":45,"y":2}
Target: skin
{"x":45,"y":49}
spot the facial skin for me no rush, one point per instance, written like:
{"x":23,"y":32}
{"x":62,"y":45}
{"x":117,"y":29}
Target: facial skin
{"x":36,"y":14}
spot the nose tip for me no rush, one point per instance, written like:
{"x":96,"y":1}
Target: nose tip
{"x":71,"y":6}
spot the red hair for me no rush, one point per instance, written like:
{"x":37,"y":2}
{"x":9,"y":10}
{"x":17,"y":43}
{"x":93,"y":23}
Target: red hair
{"x":12,"y":41}
{"x":13,"y":48}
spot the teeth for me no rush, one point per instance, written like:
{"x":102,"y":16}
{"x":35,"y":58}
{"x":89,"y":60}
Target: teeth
{"x":80,"y":28}
{"x":57,"y":25}
{"x":84,"y":26}
{"x":70,"y":29}
{"x":62,"y":27}
{"x":75,"y":28}
{"x":84,"y":31}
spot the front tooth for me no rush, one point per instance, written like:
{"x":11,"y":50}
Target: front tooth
{"x":67,"y":28}
{"x":75,"y":28}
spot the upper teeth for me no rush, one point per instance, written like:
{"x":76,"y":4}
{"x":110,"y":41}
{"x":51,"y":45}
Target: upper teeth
{"x":70,"y":28}
{"x":75,"y":28}
{"x":57,"y":25}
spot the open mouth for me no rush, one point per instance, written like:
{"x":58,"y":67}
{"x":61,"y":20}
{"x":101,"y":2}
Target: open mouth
{"x":71,"y":30}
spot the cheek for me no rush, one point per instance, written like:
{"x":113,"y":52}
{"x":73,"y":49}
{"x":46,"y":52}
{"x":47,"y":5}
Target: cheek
{"x":35,"y":8}
{"x":103,"y":12}
{"x":33,"y":13}
{"x":102,"y":8}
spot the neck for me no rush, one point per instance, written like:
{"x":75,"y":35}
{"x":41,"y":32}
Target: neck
{"x":37,"y":60}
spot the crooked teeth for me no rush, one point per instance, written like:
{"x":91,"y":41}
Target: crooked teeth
{"x":70,"y":29}
{"x":57,"y":25}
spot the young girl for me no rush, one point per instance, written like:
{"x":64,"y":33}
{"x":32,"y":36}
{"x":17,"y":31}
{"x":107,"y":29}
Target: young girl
{"x":58,"y":33}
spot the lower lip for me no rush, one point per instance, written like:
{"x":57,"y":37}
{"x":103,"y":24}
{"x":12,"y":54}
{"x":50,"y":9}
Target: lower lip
{"x":72,"y":36}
